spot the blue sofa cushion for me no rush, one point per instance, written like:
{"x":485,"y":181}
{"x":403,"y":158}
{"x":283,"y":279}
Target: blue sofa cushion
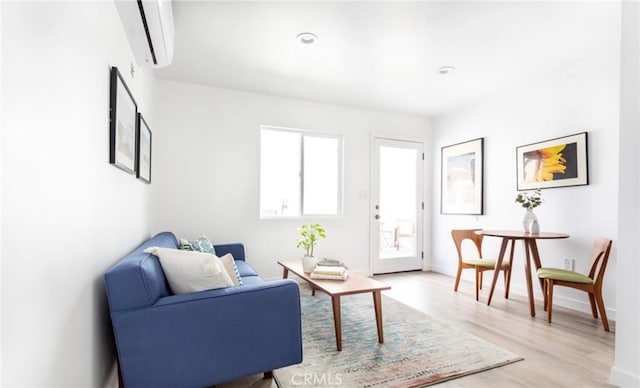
{"x":244,"y":269}
{"x":249,"y":280}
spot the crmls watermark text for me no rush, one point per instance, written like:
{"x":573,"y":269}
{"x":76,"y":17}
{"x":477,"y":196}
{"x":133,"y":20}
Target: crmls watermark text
{"x":324,"y":379}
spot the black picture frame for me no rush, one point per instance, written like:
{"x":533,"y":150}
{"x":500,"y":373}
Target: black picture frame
{"x":143,"y":150}
{"x":462,"y":178}
{"x":559,"y":162}
{"x":123,"y":112}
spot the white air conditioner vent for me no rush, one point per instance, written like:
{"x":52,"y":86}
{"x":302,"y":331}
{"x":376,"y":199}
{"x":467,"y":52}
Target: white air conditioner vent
{"x":149,"y":28}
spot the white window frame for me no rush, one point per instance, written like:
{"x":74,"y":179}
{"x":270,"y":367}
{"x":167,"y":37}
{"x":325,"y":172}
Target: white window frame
{"x":340,"y":173}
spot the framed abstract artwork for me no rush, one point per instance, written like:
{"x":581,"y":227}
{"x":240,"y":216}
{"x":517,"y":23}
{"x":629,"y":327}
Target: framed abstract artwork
{"x":122,"y":124}
{"x":553,"y":163}
{"x":462,"y":178}
{"x":143,"y":150}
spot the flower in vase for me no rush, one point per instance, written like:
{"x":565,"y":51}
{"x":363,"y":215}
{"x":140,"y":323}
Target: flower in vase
{"x":530,"y":200}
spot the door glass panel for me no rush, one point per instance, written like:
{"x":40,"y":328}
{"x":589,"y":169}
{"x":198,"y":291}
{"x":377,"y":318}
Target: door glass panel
{"x":398,"y":212}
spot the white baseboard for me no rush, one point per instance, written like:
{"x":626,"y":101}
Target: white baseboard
{"x":623,"y":379}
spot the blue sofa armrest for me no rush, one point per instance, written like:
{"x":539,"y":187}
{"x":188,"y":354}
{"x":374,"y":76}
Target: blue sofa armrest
{"x":236,"y":250}
{"x":204,"y":338}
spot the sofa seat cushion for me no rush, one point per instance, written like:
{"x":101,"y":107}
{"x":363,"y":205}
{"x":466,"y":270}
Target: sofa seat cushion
{"x":248,"y":280}
{"x":244,"y":269}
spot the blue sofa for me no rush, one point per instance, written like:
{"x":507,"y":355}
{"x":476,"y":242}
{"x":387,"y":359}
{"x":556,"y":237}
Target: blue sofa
{"x":201,"y":338}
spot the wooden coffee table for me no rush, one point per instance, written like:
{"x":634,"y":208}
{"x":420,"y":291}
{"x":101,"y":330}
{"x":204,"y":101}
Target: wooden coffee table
{"x":355,"y":284}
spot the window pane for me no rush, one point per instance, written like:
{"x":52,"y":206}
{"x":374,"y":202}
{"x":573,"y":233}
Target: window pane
{"x":280,"y":173}
{"x":321,"y":175}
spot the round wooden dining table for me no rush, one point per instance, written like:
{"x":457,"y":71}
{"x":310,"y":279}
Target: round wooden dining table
{"x":531,"y":252}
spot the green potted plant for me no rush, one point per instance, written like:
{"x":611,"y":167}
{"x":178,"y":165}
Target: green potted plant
{"x":309,"y":236}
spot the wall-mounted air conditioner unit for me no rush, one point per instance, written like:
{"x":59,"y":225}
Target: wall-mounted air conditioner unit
{"x":149,"y":28}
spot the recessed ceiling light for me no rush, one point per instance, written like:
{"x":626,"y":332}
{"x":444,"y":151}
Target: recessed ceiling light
{"x":444,"y":70}
{"x":307,"y":37}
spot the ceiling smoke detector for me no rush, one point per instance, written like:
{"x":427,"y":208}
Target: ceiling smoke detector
{"x":307,"y":37}
{"x":444,"y":70}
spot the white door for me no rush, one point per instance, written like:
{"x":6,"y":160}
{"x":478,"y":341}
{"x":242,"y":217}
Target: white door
{"x":397,"y":208}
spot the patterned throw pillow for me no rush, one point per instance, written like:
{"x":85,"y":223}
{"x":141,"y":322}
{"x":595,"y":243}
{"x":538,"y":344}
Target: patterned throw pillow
{"x":200,"y":245}
{"x":232,"y":270}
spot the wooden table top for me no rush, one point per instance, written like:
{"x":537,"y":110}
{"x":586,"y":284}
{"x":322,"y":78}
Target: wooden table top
{"x":520,"y":235}
{"x":355,"y":283}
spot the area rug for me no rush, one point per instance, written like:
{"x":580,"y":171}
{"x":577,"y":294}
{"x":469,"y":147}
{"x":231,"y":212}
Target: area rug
{"x":417,"y":350}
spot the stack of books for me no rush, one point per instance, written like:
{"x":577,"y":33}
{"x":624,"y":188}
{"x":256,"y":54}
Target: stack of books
{"x":332,"y":270}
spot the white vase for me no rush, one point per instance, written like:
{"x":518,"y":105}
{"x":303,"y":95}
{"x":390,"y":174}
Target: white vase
{"x":309,"y":263}
{"x":529,"y":216}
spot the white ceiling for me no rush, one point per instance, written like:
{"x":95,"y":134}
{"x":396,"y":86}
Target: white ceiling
{"x":384,"y":55}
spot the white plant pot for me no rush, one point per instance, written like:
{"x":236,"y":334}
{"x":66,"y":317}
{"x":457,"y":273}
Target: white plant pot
{"x":309,"y":263}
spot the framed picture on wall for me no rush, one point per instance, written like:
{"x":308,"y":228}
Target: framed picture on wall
{"x":122,"y":124}
{"x":143,"y":147}
{"x":461,"y":188}
{"x":553,"y":163}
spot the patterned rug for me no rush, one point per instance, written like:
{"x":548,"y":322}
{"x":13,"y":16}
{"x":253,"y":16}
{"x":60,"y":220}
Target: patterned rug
{"x":417,"y":350}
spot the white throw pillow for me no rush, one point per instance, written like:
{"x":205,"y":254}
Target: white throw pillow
{"x":189,"y":271}
{"x":230,"y":265}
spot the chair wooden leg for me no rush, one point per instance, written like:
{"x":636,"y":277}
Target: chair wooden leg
{"x":545,"y":287}
{"x":592,"y":301}
{"x":509,"y":280}
{"x":478,"y":274}
{"x":480,"y":284}
{"x":506,"y":283}
{"x":603,"y":313}
{"x":549,"y":298}
{"x":455,"y":287}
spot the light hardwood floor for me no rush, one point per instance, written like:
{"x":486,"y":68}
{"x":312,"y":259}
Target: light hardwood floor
{"x":573,"y":351}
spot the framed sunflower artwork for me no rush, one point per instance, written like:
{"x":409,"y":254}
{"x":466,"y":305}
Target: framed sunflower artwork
{"x":557,"y":162}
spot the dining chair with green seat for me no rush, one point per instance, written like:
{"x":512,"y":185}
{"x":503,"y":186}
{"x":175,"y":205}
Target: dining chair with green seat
{"x":591,"y":283}
{"x":478,"y":263}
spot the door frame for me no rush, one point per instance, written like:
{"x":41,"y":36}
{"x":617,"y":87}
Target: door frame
{"x":372,"y":189}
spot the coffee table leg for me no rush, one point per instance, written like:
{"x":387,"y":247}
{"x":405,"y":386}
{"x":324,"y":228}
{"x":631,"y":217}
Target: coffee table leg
{"x":377,"y":305}
{"x":285,"y":272}
{"x":337,"y":320}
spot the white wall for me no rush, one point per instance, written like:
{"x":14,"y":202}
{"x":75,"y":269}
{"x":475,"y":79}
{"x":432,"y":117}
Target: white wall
{"x":579,"y":97}
{"x":1,"y":169}
{"x":626,"y":370}
{"x":206,"y":170}
{"x":67,"y":214}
